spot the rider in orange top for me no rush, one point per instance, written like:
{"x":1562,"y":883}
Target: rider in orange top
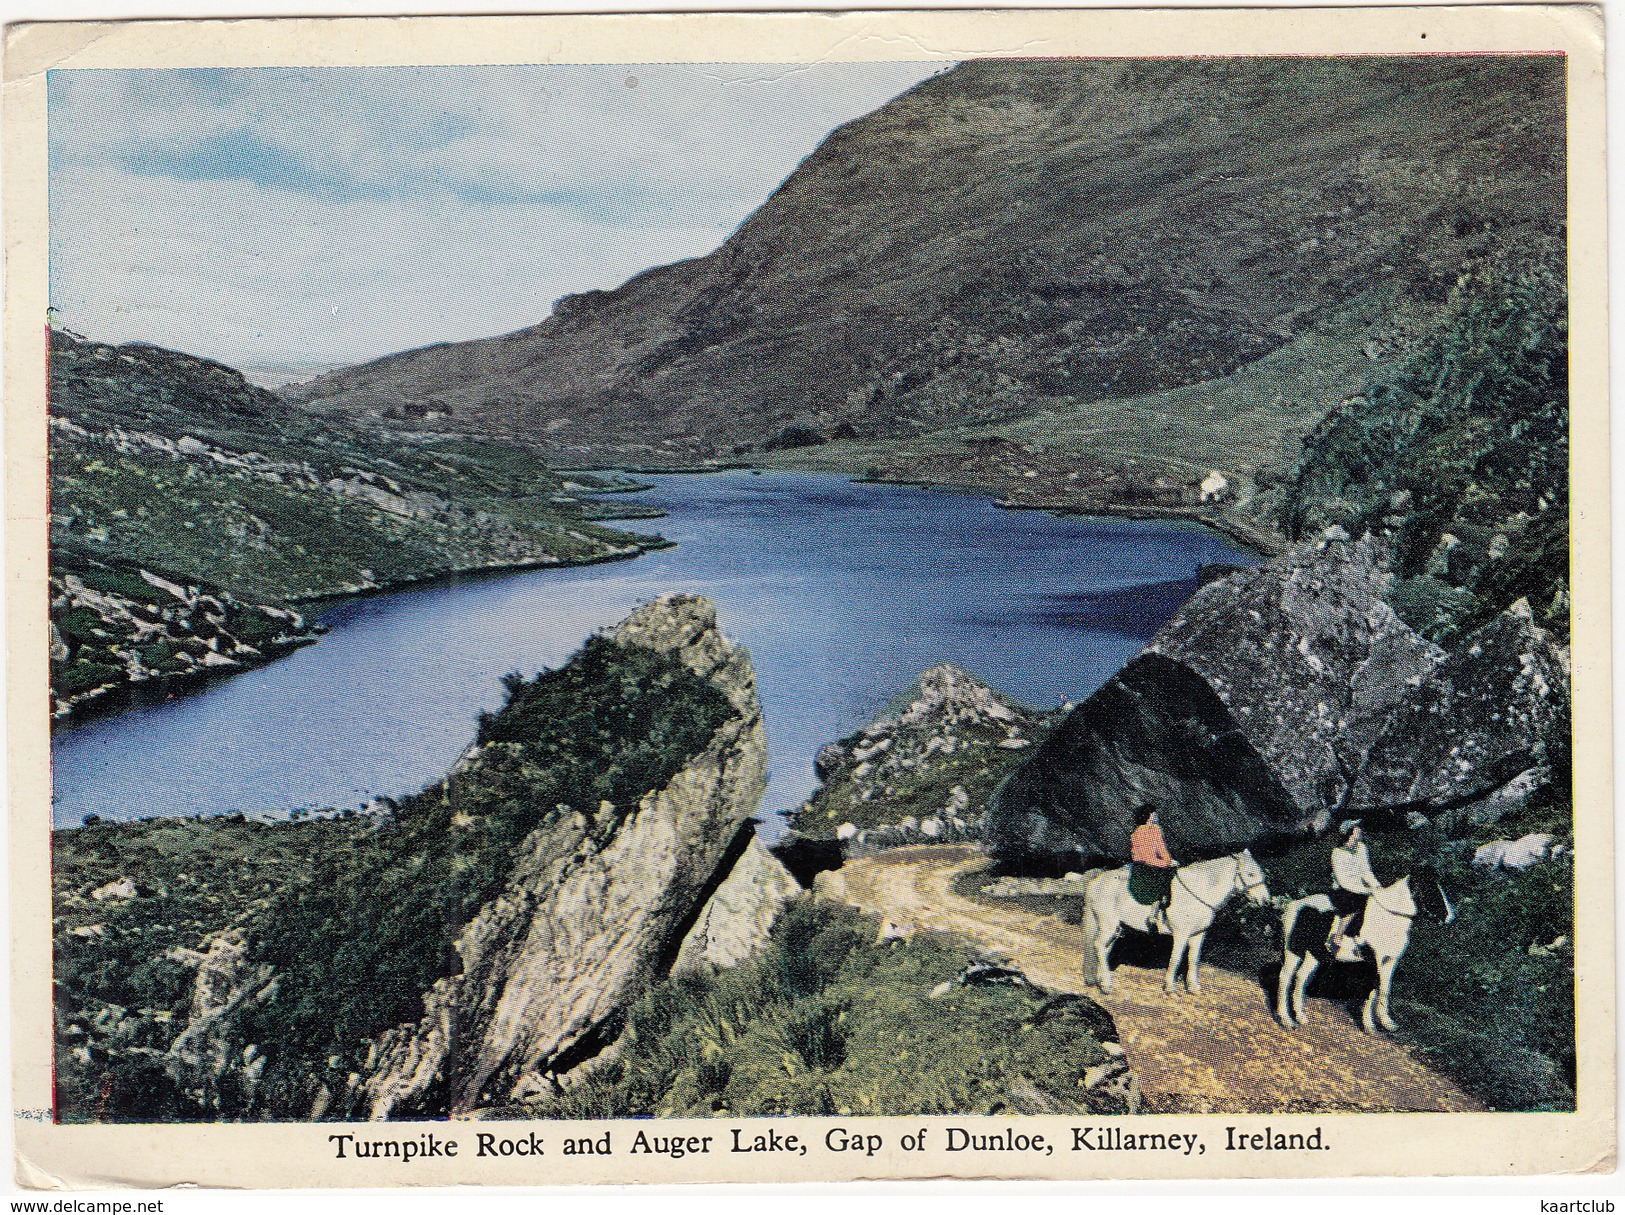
{"x":1152,"y":863}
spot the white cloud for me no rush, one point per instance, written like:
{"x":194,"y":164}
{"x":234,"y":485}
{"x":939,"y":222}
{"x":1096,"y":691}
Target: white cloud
{"x":229,"y":214}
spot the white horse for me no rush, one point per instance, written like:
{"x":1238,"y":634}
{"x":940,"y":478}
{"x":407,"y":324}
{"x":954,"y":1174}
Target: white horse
{"x":1199,"y":890}
{"x":1385,"y":932}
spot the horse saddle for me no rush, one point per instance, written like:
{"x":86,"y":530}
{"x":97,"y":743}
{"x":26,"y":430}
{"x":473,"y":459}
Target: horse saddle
{"x":1148,"y":885}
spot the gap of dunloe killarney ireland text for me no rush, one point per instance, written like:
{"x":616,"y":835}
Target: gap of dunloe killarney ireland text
{"x":1009,"y":586}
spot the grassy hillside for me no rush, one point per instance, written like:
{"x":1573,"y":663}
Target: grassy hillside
{"x":826,"y":1022}
{"x":1461,"y":452}
{"x":235,"y":504}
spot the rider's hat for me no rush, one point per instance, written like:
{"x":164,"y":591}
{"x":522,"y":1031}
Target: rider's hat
{"x":1347,"y":825}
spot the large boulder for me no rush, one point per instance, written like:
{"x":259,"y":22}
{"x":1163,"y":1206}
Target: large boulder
{"x":1238,"y":719}
{"x":1307,"y":659}
{"x":1156,"y":733}
{"x":1279,"y":698}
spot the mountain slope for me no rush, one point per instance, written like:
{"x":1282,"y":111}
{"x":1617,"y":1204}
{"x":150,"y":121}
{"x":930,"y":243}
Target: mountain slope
{"x":187,"y":504}
{"x":1018,"y":237}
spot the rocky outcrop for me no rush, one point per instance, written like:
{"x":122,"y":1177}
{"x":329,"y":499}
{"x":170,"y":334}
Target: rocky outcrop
{"x":1281,"y":698}
{"x":586,"y":920}
{"x":208,"y":1060}
{"x":924,"y":769}
{"x":737,"y":918}
{"x":146,"y":630}
{"x":1478,"y":723}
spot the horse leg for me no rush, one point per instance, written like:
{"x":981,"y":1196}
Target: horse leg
{"x":1171,"y":980}
{"x":1091,"y":926}
{"x":1103,"y":964}
{"x":1385,"y":981}
{"x":1306,"y":971}
{"x":1193,"y":962}
{"x":1283,"y":989}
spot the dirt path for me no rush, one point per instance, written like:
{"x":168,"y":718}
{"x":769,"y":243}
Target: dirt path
{"x":1217,"y":1052}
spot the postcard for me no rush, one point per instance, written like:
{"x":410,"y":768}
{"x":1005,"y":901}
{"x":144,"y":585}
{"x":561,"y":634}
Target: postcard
{"x":817,"y":596}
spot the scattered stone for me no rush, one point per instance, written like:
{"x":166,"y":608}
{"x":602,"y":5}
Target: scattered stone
{"x":991,"y":974}
{"x":1514,"y":854}
{"x":895,"y":930}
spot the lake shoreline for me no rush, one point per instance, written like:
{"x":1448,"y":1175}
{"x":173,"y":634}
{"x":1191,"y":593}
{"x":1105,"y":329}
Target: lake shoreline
{"x":119,"y":697}
{"x":1251,"y":536}
{"x":450,"y":574}
{"x":395,"y":685}
{"x":112,"y":699}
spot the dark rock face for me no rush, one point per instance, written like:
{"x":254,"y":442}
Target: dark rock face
{"x":1157,"y":734}
{"x":1308,"y":659}
{"x":1480,"y":721}
{"x":1280,"y":699}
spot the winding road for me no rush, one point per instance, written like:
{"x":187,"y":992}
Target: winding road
{"x":1220,"y":1051}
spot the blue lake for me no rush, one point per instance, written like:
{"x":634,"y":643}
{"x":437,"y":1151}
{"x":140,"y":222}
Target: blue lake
{"x":843,"y":593}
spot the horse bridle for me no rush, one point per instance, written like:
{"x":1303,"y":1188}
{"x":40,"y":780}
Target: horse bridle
{"x":1214,"y":907}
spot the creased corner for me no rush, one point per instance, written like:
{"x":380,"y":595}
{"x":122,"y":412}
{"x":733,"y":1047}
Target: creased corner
{"x":35,"y":47}
{"x":30,"y":1175}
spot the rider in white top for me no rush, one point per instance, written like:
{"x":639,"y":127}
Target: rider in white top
{"x":1351,"y":867}
{"x":1351,"y":873}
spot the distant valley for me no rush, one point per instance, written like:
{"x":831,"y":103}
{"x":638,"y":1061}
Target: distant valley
{"x":1083,"y":284}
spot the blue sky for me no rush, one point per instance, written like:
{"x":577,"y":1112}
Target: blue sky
{"x":286,"y":220}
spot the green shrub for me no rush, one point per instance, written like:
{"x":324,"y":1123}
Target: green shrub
{"x":1468,"y":437}
{"x":77,"y":677}
{"x":817,"y":1037}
